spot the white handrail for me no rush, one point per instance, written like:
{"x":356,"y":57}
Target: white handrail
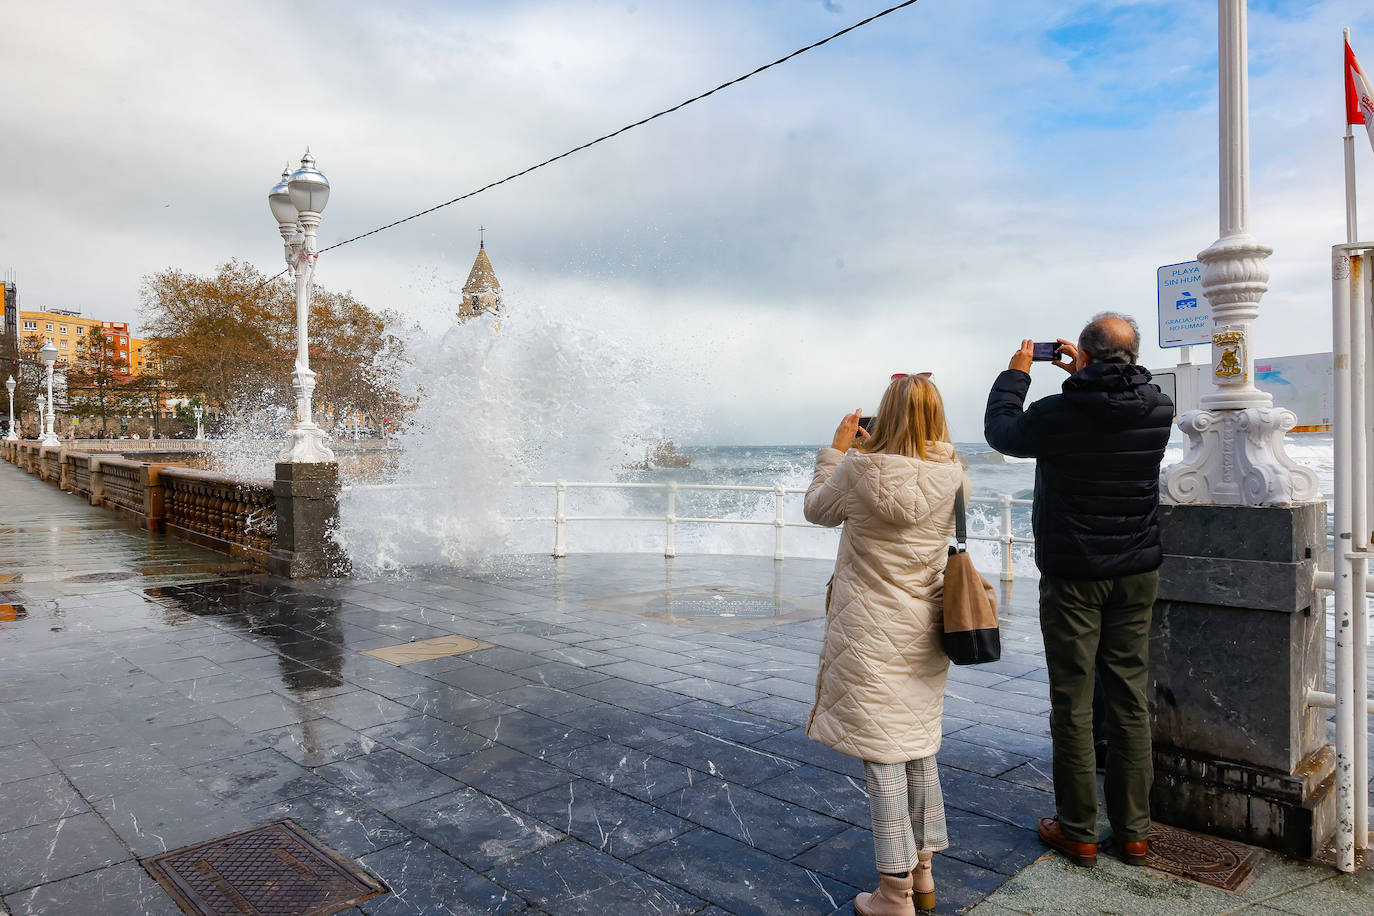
{"x":671,"y":519}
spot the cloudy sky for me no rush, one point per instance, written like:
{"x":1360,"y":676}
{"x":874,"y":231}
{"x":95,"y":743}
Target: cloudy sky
{"x":920,"y":194}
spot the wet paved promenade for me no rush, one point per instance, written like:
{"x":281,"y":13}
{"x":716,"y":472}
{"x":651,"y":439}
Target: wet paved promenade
{"x":626,"y":738}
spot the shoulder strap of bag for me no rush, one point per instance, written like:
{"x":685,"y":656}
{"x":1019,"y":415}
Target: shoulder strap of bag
{"x":960,"y":520}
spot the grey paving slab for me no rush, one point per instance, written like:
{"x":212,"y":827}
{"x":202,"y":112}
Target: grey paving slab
{"x":604,"y":819}
{"x":573,"y":878}
{"x":477,"y":829}
{"x":387,"y":779}
{"x":168,"y":815}
{"x":741,"y":879}
{"x":38,"y":800}
{"x":54,"y":850}
{"x":424,"y":880}
{"x":118,"y":889}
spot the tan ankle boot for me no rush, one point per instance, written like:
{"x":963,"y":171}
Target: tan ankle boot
{"x":923,"y":882}
{"x":892,"y":898}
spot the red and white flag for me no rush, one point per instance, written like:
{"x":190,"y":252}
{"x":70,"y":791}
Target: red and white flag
{"x":1359,"y":95}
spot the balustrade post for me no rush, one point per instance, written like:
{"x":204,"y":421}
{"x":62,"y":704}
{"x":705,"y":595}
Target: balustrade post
{"x":1006,"y":538}
{"x":560,"y":549}
{"x":778,"y":523}
{"x":97,"y":482}
{"x":670,"y":548}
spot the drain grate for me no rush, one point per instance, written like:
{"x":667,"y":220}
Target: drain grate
{"x":1218,"y":863}
{"x":274,"y":870}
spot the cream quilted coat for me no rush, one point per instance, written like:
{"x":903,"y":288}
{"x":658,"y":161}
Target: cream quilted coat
{"x":880,"y":690}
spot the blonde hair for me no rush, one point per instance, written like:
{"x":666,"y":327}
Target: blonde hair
{"x":910,"y":417}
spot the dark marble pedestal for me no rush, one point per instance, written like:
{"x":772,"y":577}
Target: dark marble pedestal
{"x":1238,"y":639}
{"x":307,"y":514}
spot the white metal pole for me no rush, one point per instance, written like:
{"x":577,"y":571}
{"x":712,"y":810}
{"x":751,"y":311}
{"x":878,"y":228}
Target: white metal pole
{"x":1359,"y":632}
{"x":1342,"y":567}
{"x":1006,"y":537}
{"x":670,"y":546}
{"x":778,"y":523}
{"x":560,"y":549}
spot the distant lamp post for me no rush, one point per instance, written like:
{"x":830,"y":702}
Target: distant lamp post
{"x":297,"y":201}
{"x":9,"y":384}
{"x":199,"y":412}
{"x":49,"y":356}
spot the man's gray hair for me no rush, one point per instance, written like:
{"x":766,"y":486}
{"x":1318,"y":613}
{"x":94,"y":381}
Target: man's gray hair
{"x":1106,"y":344}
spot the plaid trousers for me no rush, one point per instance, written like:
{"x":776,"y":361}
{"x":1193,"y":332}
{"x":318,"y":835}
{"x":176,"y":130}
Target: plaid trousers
{"x":908,"y":811}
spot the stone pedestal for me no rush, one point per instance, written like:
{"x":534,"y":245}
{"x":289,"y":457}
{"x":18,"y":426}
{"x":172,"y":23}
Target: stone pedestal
{"x":1238,"y":639}
{"x":307,"y":497}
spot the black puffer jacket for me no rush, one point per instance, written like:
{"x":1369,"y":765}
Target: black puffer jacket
{"x":1098,"y":447}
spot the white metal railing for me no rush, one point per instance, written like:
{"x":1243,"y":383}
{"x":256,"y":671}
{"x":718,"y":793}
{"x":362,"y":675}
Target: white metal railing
{"x":670,"y":519}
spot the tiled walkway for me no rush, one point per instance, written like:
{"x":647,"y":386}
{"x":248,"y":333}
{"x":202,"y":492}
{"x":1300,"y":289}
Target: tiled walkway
{"x":600,"y":757}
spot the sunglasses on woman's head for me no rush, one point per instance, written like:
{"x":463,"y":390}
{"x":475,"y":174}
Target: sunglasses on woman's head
{"x":897,"y":375}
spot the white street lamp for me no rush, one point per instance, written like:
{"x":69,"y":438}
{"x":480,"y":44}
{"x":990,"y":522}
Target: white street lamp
{"x":297,"y":201}
{"x":199,"y":412}
{"x":1235,"y":452}
{"x":9,"y":384}
{"x":49,"y":356}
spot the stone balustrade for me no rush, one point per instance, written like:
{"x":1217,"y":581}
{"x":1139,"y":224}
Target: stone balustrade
{"x":237,"y":517}
{"x":220,"y":512}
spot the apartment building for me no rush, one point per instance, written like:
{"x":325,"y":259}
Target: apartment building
{"x":66,"y":329}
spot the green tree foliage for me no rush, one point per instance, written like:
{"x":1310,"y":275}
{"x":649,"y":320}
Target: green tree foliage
{"x":228,"y":336}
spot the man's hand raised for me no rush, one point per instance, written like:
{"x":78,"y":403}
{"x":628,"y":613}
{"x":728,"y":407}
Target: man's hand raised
{"x":1022,"y":358}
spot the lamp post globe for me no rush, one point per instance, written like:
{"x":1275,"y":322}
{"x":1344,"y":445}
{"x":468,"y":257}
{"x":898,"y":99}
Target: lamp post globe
{"x":296,"y":202}
{"x":49,"y":356}
{"x":9,"y":385}
{"x":307,"y":186}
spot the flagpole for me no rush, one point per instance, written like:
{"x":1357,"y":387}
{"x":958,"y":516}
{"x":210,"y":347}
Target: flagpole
{"x":1364,"y":495}
{"x":1352,"y":223}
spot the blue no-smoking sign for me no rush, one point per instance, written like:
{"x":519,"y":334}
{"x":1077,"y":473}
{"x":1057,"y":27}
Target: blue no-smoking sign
{"x":1185,"y":317}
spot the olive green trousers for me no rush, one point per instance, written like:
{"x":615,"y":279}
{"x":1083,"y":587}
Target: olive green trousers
{"x":1102,"y":625}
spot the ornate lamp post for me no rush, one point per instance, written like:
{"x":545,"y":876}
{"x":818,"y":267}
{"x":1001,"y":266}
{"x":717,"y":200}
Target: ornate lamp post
{"x":49,"y":356}
{"x":199,"y":412}
{"x":9,"y":384}
{"x":297,"y":201}
{"x":1235,"y":453}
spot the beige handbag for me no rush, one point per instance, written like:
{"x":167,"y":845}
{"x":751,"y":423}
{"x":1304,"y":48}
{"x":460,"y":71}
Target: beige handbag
{"x":971,"y":635}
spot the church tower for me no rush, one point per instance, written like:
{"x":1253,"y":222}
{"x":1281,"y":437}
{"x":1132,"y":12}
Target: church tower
{"x":482,"y":292}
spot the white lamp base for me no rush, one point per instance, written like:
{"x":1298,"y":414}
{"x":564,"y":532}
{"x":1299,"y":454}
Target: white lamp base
{"x":1237,"y":458}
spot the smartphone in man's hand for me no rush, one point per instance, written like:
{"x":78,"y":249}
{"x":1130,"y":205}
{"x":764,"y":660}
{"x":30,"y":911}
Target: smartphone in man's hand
{"x":1045,"y":352}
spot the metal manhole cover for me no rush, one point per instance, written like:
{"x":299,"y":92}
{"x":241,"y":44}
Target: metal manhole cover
{"x":103,"y":577}
{"x":274,"y":870}
{"x":1207,"y":860}
{"x":715,"y":604}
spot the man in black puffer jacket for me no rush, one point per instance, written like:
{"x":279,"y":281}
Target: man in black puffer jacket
{"x":1098,"y":448}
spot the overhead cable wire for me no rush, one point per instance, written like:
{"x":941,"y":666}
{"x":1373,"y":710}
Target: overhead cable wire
{"x":615,"y":133}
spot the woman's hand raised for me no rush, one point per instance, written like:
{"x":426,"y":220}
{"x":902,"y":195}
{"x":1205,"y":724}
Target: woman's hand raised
{"x":849,"y":428}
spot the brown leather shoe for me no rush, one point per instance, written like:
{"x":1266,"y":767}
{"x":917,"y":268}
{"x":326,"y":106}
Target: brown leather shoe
{"x":1084,"y":854}
{"x":1133,"y":852}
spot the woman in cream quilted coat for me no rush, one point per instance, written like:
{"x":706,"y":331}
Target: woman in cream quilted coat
{"x":880,"y":688}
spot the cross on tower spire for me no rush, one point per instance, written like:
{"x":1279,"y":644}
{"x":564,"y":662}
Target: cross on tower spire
{"x":481,"y":237}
